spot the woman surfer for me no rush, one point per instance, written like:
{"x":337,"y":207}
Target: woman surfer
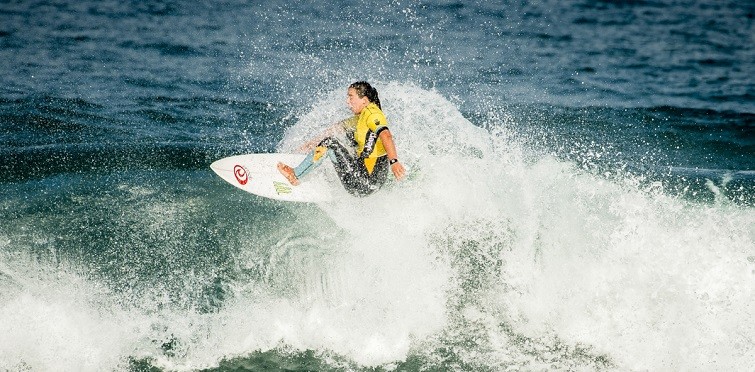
{"x":363,"y":167}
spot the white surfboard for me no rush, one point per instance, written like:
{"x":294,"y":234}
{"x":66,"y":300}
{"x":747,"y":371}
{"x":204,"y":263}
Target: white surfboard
{"x":258,"y":174}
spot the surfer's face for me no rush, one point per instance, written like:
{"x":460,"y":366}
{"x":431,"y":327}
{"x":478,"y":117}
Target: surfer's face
{"x":356,"y":103}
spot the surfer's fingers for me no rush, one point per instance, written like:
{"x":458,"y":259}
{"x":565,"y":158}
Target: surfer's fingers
{"x":398,"y":171}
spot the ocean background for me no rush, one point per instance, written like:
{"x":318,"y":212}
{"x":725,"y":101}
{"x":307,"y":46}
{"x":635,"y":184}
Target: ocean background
{"x":581,"y":193}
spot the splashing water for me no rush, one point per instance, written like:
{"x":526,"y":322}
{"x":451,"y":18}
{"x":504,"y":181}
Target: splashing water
{"x":488,"y":256}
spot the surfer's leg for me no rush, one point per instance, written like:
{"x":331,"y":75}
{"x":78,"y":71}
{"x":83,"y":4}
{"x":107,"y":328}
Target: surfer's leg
{"x":312,"y":161}
{"x":341,"y":156}
{"x":379,"y":174}
{"x":351,"y":171}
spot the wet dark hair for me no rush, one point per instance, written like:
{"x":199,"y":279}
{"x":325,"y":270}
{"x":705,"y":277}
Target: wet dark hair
{"x":364,"y":89}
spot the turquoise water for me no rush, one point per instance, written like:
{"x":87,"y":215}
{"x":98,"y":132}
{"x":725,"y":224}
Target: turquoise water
{"x":581,"y":190}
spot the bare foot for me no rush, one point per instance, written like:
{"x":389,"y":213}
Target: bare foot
{"x":288,"y":172}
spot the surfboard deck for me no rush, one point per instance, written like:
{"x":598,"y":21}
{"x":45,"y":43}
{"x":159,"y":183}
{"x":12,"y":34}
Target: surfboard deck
{"x":258,"y":174}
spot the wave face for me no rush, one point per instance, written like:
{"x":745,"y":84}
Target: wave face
{"x":485,"y":257}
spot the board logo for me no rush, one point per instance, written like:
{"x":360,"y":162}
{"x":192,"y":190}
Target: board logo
{"x":242,"y":176}
{"x":281,"y":188}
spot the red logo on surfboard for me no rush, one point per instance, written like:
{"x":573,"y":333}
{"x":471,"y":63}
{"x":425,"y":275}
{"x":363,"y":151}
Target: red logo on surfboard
{"x":241,"y":174}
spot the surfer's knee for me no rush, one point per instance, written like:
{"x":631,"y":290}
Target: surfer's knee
{"x":326,"y":142}
{"x":319,"y":152}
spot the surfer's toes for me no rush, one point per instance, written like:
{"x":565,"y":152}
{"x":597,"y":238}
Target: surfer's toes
{"x":288,"y":172}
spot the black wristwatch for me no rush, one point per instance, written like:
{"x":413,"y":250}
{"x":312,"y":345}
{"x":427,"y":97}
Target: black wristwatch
{"x":392,"y":161}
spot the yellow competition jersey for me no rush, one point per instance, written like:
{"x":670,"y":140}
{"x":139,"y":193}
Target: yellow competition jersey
{"x":367,"y":127}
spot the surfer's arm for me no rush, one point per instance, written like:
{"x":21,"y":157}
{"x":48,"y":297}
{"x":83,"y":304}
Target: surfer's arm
{"x":390,"y":149}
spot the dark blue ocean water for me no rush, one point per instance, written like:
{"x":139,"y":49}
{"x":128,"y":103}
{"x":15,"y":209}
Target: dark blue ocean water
{"x":582,"y":193}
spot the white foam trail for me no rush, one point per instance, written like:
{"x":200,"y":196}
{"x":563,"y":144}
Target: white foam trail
{"x":56,"y":321}
{"x":653,"y":281}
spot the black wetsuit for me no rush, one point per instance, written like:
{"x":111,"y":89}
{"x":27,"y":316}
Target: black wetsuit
{"x":352,"y":171}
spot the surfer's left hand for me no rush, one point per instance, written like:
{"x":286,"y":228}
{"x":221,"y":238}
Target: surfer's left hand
{"x":398,"y":170}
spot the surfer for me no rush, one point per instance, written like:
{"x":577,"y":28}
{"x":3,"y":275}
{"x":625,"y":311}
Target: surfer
{"x":362,"y":167}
